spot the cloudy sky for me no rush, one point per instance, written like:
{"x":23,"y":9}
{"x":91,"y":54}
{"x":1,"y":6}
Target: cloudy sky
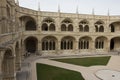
{"x":85,"y":6}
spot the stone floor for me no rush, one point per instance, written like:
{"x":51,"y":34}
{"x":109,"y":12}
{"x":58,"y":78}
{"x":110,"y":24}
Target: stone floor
{"x":87,"y":72}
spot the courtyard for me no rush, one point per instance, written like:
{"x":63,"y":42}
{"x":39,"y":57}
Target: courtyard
{"x":53,"y":69}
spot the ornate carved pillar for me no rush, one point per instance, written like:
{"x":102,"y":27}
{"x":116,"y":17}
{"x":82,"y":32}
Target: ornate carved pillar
{"x":39,"y":48}
{"x":75,"y":47}
{"x":18,"y":60}
{"x":58,"y":47}
{"x":107,"y":45}
{"x":92,"y":46}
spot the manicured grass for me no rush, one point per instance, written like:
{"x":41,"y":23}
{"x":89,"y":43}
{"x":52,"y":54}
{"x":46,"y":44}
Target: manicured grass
{"x":46,"y":72}
{"x":89,"y":61}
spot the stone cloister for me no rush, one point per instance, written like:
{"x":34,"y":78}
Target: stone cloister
{"x":24,"y":30}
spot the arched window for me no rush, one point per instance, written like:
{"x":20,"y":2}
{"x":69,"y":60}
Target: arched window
{"x":112,"y":28}
{"x":30,"y":25}
{"x":63,"y":27}
{"x":44,"y":27}
{"x":80,"y":28}
{"x":70,"y":27}
{"x":48,"y":24}
{"x":52,"y":27}
{"x":28,"y":22}
{"x":99,"y":43}
{"x":96,"y":28}
{"x":83,"y":44}
{"x":86,"y":28}
{"x":83,"y":26}
{"x":67,"y":43}
{"x":66,"y":25}
{"x":99,"y":26}
{"x":101,"y":29}
{"x":48,"y":43}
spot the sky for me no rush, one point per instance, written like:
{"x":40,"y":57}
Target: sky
{"x":101,"y":7}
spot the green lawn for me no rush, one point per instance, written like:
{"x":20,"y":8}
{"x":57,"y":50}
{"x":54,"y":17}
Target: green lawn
{"x":46,"y":72}
{"x":89,"y":61}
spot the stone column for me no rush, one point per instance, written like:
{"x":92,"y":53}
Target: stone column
{"x":39,"y":48}
{"x":18,"y":60}
{"x":107,"y":45}
{"x":58,"y":47}
{"x":92,"y":46}
{"x":75,"y":46}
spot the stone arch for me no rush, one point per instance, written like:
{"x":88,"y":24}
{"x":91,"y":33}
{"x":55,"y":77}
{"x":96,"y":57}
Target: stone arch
{"x":115,"y":43}
{"x":28,"y":22}
{"x":85,"y":42}
{"x":100,"y":42}
{"x":44,"y":27}
{"x":67,"y":43}
{"x":8,"y":65}
{"x":99,"y":26}
{"x":84,"y":26}
{"x":48,"y":24}
{"x":67,"y":20}
{"x":84,"y":21}
{"x":31,"y":44}
{"x":30,"y":25}
{"x":48,"y":19}
{"x":66,"y":25}
{"x":49,"y":43}
{"x":100,"y":22}
{"x":115,"y":26}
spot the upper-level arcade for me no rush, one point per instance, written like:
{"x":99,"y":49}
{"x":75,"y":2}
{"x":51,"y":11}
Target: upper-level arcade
{"x":68,"y":22}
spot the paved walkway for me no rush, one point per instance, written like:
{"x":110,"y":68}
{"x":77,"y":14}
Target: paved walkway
{"x":87,"y":72}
